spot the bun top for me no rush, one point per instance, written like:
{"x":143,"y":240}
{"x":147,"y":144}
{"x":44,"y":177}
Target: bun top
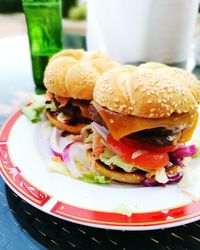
{"x":82,"y":77}
{"x":152,"y":90}
{"x":58,"y":66}
{"x":74,"y":53}
{"x":73,"y":73}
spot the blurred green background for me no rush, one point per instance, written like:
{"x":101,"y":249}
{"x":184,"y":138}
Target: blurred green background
{"x":70,"y":8}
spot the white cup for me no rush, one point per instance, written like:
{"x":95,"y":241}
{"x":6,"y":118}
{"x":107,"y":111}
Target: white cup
{"x":133,"y":31}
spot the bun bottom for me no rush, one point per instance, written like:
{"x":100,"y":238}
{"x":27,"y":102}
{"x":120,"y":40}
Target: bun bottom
{"x":75,"y":129}
{"x":131,"y":178}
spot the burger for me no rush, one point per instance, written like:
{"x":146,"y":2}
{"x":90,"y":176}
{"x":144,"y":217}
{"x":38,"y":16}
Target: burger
{"x":142,"y":118}
{"x":69,"y":78}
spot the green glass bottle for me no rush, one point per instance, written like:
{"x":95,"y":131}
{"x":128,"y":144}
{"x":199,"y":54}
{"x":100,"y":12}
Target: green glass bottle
{"x":44,"y":23}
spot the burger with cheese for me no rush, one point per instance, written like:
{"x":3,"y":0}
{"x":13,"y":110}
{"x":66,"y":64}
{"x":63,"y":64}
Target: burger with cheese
{"x":70,"y":77}
{"x":142,"y":117}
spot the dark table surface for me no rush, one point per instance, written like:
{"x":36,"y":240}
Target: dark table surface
{"x":23,"y":226}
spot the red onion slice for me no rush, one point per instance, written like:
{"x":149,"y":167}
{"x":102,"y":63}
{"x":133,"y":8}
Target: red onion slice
{"x":184,"y":151}
{"x":174,"y":178}
{"x":150,"y":183}
{"x":54,"y":138}
{"x":70,"y":152}
{"x":103,"y":132}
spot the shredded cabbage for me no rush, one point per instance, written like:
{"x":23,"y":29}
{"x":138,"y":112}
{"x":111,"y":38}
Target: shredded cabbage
{"x":58,"y":167}
{"x":108,"y":157}
{"x":90,"y":177}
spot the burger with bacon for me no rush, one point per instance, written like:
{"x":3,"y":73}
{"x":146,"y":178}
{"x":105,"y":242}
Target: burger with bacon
{"x":69,"y":78}
{"x":142,"y":117}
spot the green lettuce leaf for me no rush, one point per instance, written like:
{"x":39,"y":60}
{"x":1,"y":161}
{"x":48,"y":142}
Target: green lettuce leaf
{"x":51,"y":106}
{"x":198,"y":152}
{"x":85,"y":131}
{"x":122,"y":208}
{"x":33,"y":113}
{"x":87,"y":127}
{"x":94,"y":178}
{"x":89,"y":139}
{"x":109,"y":158}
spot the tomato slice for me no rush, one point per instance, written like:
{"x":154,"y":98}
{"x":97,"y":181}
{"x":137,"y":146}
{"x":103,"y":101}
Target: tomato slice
{"x":148,"y":160}
{"x":145,"y":146}
{"x":152,"y":160}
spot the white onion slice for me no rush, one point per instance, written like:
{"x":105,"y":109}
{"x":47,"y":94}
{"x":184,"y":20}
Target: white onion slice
{"x":138,"y":153}
{"x":161,"y":176}
{"x":103,"y":132}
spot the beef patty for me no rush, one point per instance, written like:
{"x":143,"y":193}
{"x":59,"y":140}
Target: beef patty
{"x":156,"y":136}
{"x":73,"y":111}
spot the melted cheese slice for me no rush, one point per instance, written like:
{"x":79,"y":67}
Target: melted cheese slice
{"x":121,"y":125}
{"x":187,"y":134}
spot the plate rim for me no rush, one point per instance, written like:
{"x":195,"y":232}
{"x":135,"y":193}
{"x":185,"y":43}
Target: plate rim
{"x":45,"y":199}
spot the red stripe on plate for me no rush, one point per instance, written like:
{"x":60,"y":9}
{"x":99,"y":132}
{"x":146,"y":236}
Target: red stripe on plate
{"x":137,"y":219}
{"x":12,"y":173}
{"x":13,"y":176}
{"x":8,"y":125}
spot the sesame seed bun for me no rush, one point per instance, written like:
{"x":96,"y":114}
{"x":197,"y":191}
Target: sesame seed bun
{"x":55,"y":72}
{"x":82,"y":77}
{"x":132,"y":178}
{"x":54,"y":75}
{"x":75,"y":129}
{"x":150,"y":91}
{"x":77,"y":54}
{"x":92,"y":55}
{"x":73,"y":73}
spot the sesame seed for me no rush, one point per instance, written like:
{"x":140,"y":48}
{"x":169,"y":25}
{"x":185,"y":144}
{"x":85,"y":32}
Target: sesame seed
{"x":162,"y":105}
{"x":133,"y":102}
{"x":111,"y":120}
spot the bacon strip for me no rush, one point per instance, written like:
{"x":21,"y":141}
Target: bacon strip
{"x":62,"y":100}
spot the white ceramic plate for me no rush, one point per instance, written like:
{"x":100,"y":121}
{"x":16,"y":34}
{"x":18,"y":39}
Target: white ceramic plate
{"x":23,"y":155}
